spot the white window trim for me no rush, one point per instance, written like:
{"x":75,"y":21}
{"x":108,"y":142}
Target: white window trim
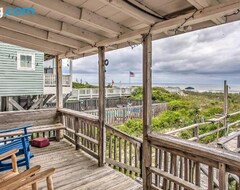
{"x":19,"y":61}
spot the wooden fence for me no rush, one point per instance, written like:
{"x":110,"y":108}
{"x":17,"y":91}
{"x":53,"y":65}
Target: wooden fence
{"x":115,"y":116}
{"x":221,"y":122}
{"x":92,"y":104}
{"x":89,"y":93}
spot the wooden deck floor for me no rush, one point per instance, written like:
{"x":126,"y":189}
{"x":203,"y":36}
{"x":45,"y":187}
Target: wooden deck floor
{"x":77,"y":170}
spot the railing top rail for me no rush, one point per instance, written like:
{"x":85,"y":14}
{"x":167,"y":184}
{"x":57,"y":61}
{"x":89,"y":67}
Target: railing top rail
{"x":123,"y":135}
{"x":80,"y":115}
{"x":235,"y":113}
{"x":214,"y":120}
{"x":26,"y":111}
{"x":140,"y":106}
{"x":199,"y":151}
{"x":229,"y":138}
{"x":187,"y":128}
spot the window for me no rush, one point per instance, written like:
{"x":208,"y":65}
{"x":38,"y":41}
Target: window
{"x":26,"y":61}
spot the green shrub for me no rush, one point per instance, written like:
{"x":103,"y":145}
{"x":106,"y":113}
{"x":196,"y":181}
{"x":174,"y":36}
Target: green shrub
{"x":183,"y":111}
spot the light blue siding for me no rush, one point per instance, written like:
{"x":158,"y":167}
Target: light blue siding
{"x":14,"y":82}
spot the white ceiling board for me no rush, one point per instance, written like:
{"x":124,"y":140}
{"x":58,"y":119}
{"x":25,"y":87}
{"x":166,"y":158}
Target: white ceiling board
{"x":131,"y":22}
{"x":41,"y":10}
{"x":20,"y":3}
{"x":76,"y":2}
{"x":165,"y":6}
{"x":119,"y":17}
{"x":9,"y":1}
{"x":107,"y":11}
{"x":93,"y":5}
{"x":138,"y":26}
{"x":68,"y":20}
{"x":54,"y":15}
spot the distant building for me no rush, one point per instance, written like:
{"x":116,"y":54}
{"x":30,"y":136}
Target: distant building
{"x":174,"y":90}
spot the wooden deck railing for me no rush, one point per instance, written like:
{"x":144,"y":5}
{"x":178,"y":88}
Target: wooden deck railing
{"x":123,"y":152}
{"x":196,"y":127}
{"x":81,"y":130}
{"x":176,"y":164}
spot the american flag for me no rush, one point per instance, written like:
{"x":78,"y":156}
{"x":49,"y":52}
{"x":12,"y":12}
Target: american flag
{"x":131,"y":74}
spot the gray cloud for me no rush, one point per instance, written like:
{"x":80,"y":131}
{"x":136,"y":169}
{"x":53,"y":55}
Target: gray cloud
{"x":209,"y":55}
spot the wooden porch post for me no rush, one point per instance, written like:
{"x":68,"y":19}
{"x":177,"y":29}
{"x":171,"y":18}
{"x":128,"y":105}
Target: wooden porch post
{"x":101,"y":107}
{"x":70,"y":72}
{"x":59,"y":93}
{"x":147,"y":107}
{"x":225,"y":107}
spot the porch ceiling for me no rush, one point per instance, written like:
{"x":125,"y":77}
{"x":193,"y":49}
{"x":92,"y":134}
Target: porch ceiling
{"x":75,"y":28}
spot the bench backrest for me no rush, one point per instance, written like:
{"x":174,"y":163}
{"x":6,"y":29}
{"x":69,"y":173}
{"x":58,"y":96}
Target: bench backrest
{"x":14,"y":119}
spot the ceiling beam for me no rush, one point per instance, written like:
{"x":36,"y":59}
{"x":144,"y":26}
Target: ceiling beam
{"x":39,"y":33}
{"x":57,"y":26}
{"x":200,"y":4}
{"x":32,"y":40}
{"x":171,"y":24}
{"x":132,"y":11}
{"x":27,"y":45}
{"x":81,"y":15}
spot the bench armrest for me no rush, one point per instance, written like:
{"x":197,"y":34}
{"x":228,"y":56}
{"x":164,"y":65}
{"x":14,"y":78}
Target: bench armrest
{"x":32,"y":180}
{"x":12,"y":139}
{"x":15,"y":129}
{"x":22,"y":176}
{"x":8,"y":154}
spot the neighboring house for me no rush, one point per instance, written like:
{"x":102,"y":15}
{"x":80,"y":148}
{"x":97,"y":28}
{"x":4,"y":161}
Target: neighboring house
{"x":21,"y":71}
{"x":24,"y":83}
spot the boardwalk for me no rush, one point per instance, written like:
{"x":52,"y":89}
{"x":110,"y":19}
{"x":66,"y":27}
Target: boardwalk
{"x":76,"y":170}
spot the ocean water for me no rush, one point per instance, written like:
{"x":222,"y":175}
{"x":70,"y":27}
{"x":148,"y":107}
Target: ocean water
{"x":233,"y":88}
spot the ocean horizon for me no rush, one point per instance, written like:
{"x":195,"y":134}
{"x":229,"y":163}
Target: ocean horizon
{"x":197,"y":87}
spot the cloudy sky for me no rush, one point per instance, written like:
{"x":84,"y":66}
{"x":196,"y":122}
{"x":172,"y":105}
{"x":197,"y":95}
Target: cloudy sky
{"x":207,"y":56}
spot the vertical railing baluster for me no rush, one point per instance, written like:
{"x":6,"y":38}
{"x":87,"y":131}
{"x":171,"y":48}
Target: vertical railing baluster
{"x":136,"y":158}
{"x":125,"y":155}
{"x":186,"y":170}
{"x":197,"y":174}
{"x":165,"y":181}
{"x":76,"y":129}
{"x":222,"y":176}
{"x":110,"y":146}
{"x":120,"y":152}
{"x":130,"y":157}
{"x":115,"y":150}
{"x":157,"y":166}
{"x":210,"y":178}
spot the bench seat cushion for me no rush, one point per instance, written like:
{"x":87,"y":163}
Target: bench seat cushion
{"x":40,"y":142}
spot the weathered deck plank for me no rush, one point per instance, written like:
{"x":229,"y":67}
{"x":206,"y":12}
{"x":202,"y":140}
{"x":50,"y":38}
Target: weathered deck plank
{"x":77,"y":170}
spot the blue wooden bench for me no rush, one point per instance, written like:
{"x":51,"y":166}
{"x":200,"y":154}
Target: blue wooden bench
{"x":21,"y":143}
